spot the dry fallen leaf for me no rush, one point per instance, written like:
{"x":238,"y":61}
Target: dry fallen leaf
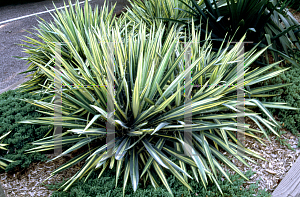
{"x":270,"y":171}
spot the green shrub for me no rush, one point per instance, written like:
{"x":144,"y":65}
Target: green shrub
{"x":289,"y":94}
{"x":105,"y":187}
{"x":13,"y":110}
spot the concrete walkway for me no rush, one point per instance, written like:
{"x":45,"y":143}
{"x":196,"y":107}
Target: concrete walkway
{"x":13,"y":31}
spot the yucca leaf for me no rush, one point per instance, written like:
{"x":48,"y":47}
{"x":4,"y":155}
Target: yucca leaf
{"x":162,"y":176}
{"x":122,"y":149}
{"x":193,"y":153}
{"x":126,"y":174}
{"x":134,"y":169}
{"x":178,"y":175}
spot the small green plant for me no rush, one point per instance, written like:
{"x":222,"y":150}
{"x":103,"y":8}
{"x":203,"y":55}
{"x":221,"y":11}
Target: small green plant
{"x":284,"y":142}
{"x":13,"y":110}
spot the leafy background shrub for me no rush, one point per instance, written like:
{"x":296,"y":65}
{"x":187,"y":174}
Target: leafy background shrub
{"x":12,"y":110}
{"x":105,"y":187}
{"x":289,"y":94}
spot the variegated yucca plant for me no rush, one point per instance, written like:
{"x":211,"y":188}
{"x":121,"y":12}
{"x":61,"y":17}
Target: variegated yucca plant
{"x":149,"y":81}
{"x":4,"y":161}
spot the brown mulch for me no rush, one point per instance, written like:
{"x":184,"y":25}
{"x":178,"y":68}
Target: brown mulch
{"x":29,"y":183}
{"x":279,"y":159}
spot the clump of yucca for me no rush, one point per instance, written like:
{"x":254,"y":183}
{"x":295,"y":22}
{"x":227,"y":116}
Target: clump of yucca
{"x":149,"y":73}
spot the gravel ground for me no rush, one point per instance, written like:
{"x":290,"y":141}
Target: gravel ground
{"x":29,"y":182}
{"x":279,"y":160}
{"x":11,"y":34}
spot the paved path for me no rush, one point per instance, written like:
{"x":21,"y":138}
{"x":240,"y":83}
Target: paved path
{"x":11,"y":34}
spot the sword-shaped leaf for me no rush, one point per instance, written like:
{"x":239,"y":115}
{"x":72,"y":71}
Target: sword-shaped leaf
{"x":134,"y":169}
